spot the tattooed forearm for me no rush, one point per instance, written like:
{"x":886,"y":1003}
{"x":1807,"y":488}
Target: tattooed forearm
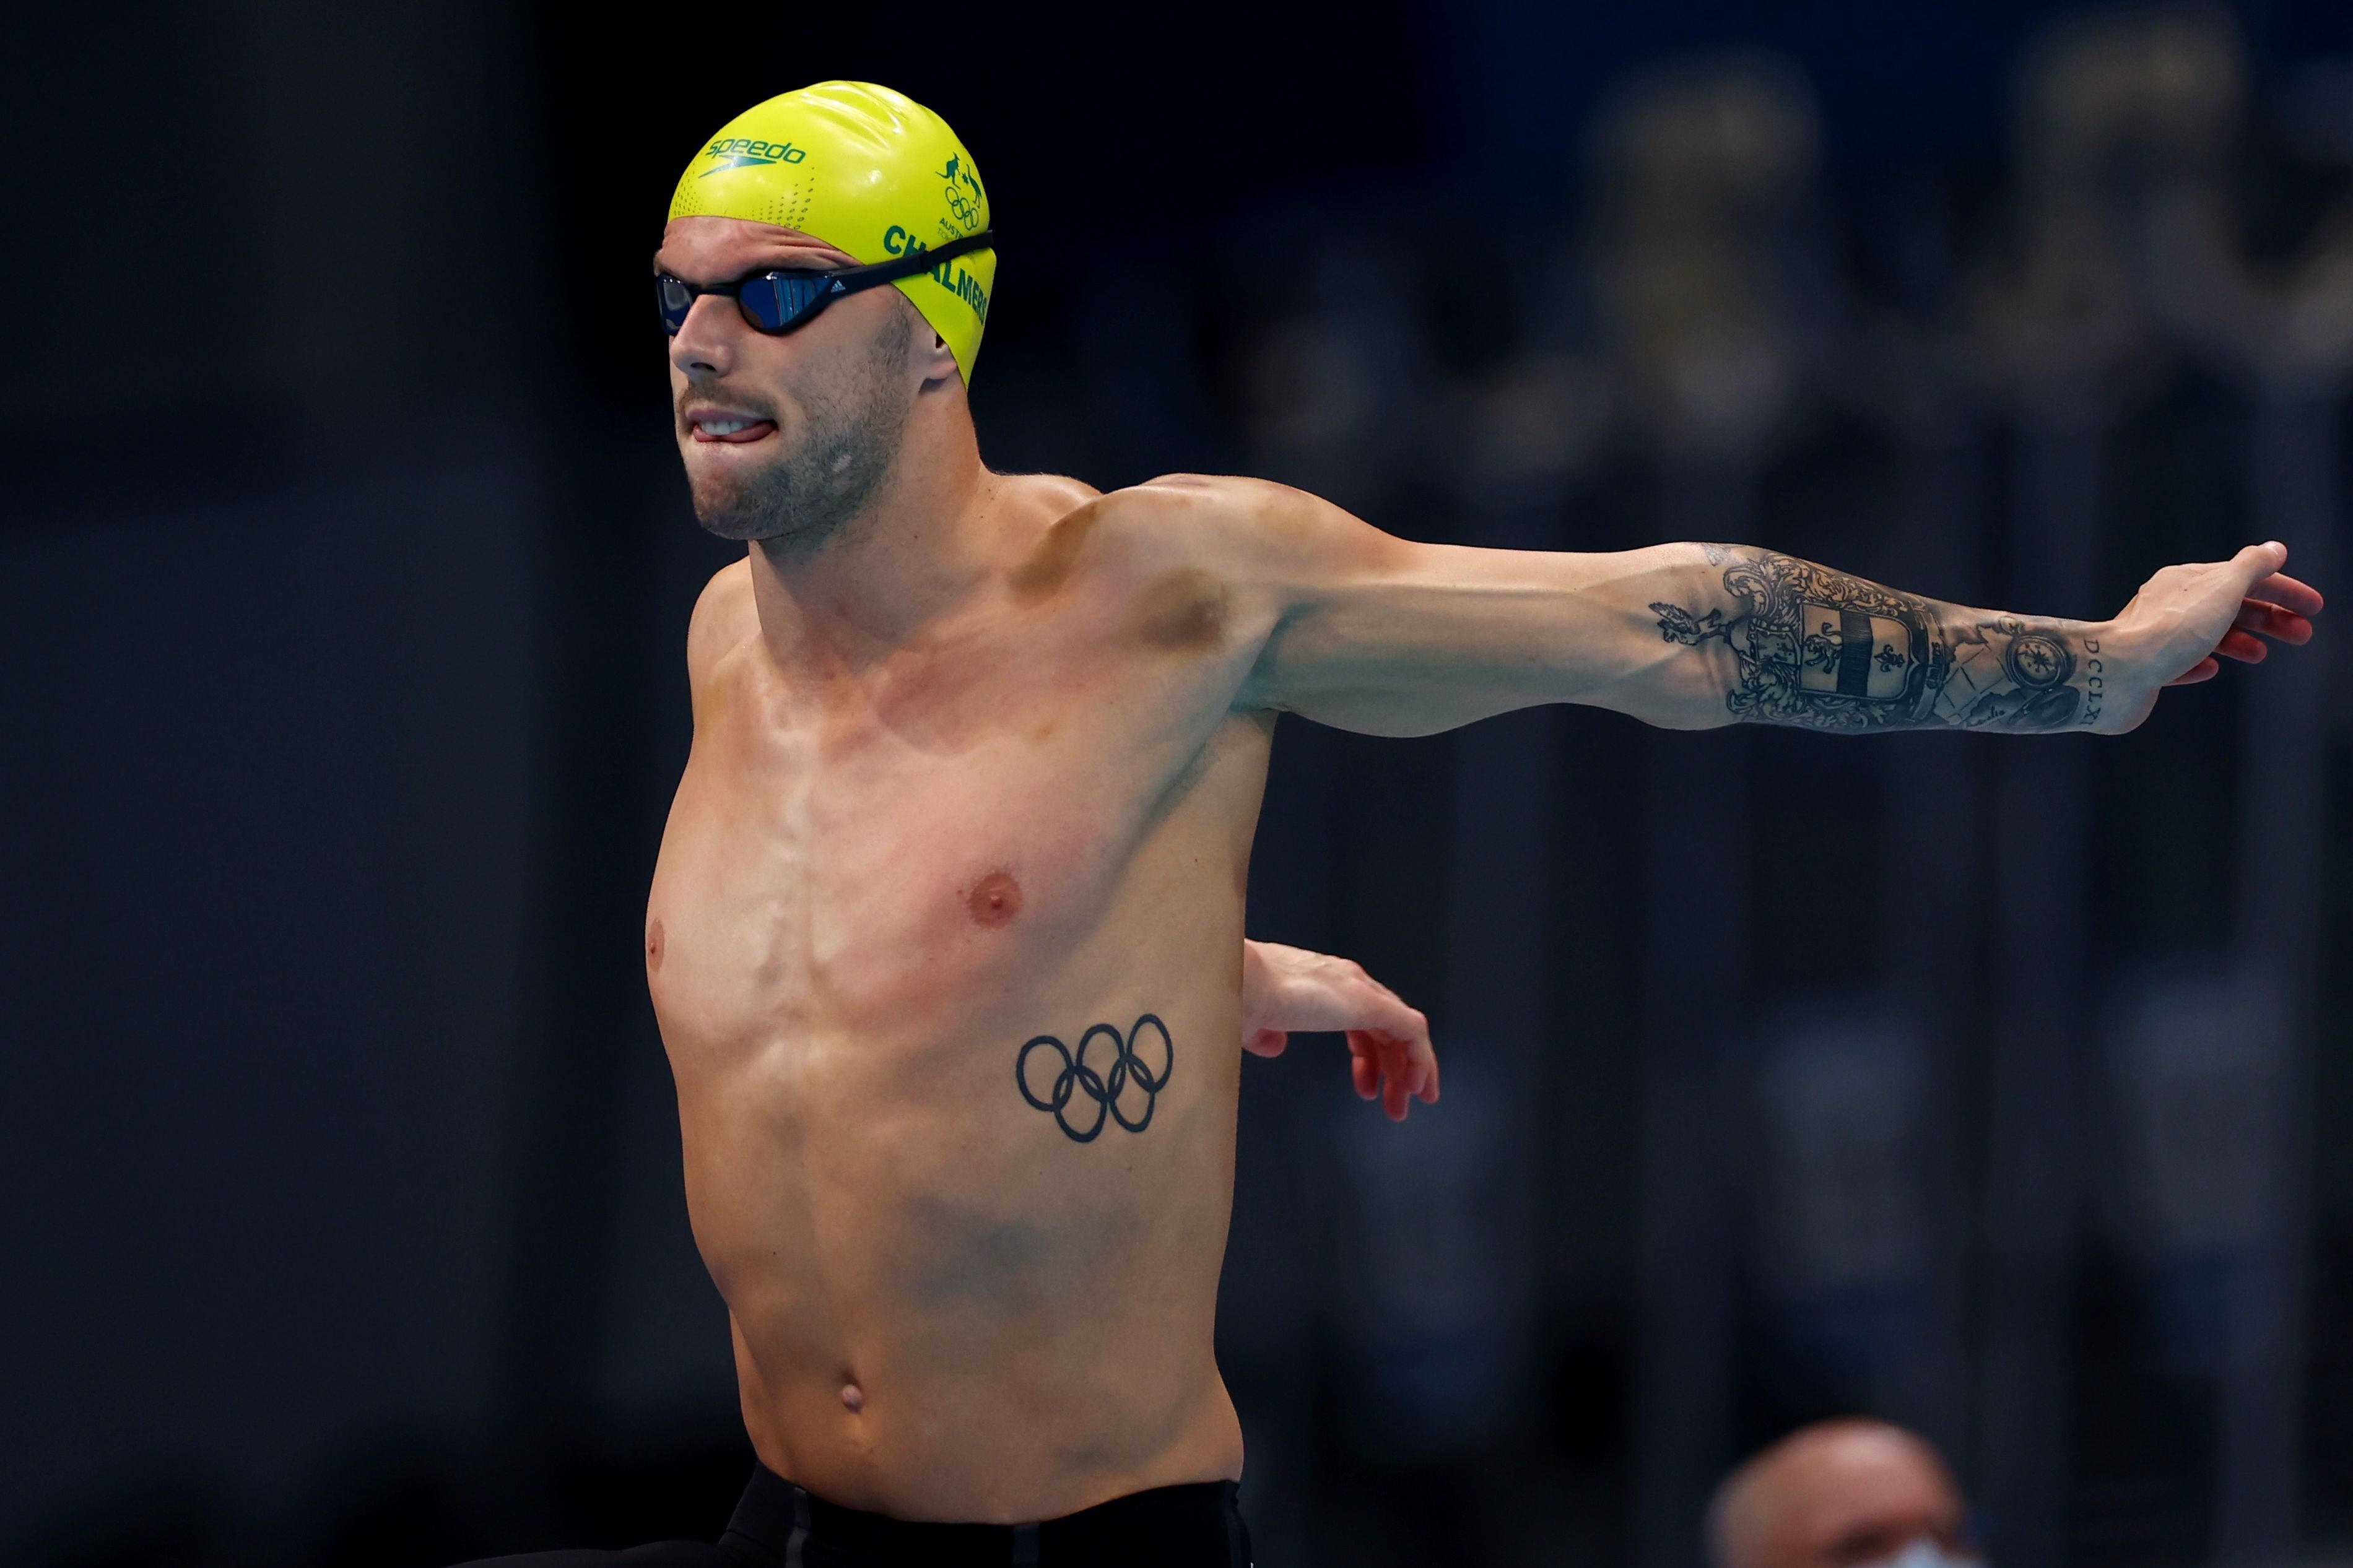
{"x":1111,"y":1076}
{"x":1818,"y":648}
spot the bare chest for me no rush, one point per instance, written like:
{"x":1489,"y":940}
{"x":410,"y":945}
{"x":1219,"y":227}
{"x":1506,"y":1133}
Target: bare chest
{"x":914,"y":872}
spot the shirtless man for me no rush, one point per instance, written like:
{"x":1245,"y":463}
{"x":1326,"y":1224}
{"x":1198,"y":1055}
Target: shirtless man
{"x":945,"y":940}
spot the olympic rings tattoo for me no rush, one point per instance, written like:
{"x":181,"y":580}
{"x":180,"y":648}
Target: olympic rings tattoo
{"x":1105,"y":1084}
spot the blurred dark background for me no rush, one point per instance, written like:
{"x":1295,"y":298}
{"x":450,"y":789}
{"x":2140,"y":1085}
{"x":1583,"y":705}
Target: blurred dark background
{"x":1994,"y":1086}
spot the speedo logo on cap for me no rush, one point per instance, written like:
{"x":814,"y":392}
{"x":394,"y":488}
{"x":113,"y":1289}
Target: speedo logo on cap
{"x":734,"y":152}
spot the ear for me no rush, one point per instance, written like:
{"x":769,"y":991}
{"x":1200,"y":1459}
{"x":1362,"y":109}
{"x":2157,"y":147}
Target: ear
{"x":936,"y":362}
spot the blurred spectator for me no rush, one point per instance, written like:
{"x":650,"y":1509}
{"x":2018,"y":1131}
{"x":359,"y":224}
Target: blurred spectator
{"x":1841,"y":1494}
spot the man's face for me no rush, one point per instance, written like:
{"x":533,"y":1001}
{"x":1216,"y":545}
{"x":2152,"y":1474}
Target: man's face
{"x":786,"y":437}
{"x":1853,"y":1498}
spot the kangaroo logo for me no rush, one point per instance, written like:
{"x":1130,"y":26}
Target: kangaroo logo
{"x":962,"y":188}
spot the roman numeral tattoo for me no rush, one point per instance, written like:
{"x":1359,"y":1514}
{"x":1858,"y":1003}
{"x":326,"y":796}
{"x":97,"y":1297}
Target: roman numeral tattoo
{"x":1820,"y":648}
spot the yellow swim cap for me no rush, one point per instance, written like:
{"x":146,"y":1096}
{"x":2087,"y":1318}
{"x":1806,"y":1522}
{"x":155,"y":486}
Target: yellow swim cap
{"x":868,"y":171}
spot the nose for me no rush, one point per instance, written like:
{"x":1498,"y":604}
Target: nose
{"x":706,"y":340}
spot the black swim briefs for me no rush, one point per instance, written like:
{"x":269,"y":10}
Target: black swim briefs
{"x":780,"y":1525}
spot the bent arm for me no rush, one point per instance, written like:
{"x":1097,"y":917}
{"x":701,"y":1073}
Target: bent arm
{"x":1383,"y":636}
{"x":1288,"y":989}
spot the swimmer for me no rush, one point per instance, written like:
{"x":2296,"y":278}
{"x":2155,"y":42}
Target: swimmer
{"x":1841,"y":1494}
{"x":945,"y":935}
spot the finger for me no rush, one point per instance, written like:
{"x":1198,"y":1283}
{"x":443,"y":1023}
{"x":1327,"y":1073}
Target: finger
{"x":1388,"y":1055}
{"x":1394,"y":1098}
{"x":1266,"y":1042}
{"x":2272,"y":621}
{"x":2204,"y":670}
{"x":1365,"y":1068}
{"x":1423,"y":1059}
{"x":2288,"y":592}
{"x":2244,"y":646}
{"x":1386,"y":1016}
{"x":1415,"y":1062}
{"x":2261,"y":560}
{"x":1403,"y":1075}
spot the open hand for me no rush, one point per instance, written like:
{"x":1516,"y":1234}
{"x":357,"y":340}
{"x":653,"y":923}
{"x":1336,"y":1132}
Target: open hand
{"x":2186,"y":619}
{"x":1288,"y":988}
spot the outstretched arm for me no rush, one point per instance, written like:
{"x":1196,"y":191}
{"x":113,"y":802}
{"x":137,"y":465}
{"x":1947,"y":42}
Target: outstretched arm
{"x":1795,"y":643}
{"x":1387,"y":637}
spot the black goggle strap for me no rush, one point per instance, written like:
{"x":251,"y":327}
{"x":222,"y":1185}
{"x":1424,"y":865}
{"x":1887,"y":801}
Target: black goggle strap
{"x":854,"y":278}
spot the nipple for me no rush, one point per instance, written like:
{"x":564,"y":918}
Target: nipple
{"x":852,"y":1399}
{"x":995,"y":900}
{"x":654,"y":947}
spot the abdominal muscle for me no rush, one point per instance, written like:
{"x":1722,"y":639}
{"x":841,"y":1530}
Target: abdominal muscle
{"x":946,"y":1308}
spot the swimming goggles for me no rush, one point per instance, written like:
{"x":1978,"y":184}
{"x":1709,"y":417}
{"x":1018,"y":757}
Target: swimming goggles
{"x":778,"y":301}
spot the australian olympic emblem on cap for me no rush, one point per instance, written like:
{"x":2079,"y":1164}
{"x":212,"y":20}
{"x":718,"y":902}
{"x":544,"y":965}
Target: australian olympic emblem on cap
{"x":1116,"y":1069}
{"x":735,"y":152}
{"x":963,"y":203}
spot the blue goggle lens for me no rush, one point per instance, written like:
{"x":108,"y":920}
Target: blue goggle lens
{"x":771,"y":301}
{"x":774,"y":300}
{"x":677,"y":300}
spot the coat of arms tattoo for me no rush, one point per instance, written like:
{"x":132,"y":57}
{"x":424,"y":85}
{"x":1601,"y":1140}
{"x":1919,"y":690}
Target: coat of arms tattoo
{"x":1829,"y":651}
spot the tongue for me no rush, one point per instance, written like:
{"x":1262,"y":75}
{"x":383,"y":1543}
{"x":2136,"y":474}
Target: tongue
{"x":751,"y":432}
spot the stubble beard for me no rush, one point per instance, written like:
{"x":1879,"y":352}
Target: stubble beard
{"x":849,"y":440}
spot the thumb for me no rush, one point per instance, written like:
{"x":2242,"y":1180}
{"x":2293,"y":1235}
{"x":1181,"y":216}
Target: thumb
{"x":1265,"y":1042}
{"x":2259,"y":561}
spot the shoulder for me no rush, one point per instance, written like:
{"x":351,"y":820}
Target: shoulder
{"x":1209,"y":502}
{"x":1259,"y":528}
{"x":1244,"y":528}
{"x":724,"y":615}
